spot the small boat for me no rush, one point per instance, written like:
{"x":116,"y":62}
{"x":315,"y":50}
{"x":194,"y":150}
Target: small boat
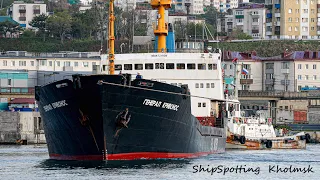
{"x":258,"y":133}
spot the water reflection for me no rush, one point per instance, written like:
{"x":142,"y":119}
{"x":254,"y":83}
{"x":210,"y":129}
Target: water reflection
{"x":50,"y":164}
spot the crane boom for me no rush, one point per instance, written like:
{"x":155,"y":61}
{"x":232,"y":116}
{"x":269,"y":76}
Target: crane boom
{"x":111,"y":37}
{"x":161,"y":29}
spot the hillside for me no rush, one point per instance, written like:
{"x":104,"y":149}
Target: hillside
{"x":263,"y":48}
{"x":269,"y":48}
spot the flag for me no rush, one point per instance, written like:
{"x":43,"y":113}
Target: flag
{"x":235,"y":60}
{"x":244,"y":71}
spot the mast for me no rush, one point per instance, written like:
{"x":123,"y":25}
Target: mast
{"x":111,"y":37}
{"x":161,"y":30}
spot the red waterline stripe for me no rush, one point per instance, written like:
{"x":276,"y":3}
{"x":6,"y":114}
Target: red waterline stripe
{"x":133,"y":156}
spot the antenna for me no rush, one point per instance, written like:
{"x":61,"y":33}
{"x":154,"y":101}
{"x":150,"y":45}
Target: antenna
{"x":217,"y":30}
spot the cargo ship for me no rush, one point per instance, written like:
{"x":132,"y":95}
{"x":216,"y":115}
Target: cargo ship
{"x":148,"y":106}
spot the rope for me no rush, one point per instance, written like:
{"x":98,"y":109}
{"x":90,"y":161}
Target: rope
{"x":167,"y":92}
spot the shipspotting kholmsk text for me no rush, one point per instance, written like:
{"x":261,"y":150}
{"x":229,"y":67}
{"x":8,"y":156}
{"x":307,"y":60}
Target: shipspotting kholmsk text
{"x":220,"y":169}
{"x":55,"y":105}
{"x":165,"y":105}
{"x":224,"y":170}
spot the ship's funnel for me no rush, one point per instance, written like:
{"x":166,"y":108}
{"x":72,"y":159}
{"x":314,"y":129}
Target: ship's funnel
{"x":170,"y":40}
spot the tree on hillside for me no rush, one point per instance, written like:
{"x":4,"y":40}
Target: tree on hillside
{"x":89,"y":24}
{"x":58,"y":5}
{"x":6,"y":3}
{"x":181,"y":28}
{"x":59,"y":24}
{"x":210,"y":15}
{"x":40,"y":23}
{"x":9,"y":27}
{"x":237,"y":33}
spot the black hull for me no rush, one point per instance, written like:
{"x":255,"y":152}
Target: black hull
{"x":85,"y":128}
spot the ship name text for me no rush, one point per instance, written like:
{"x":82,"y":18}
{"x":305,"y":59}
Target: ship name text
{"x":159,"y":104}
{"x":55,"y":105}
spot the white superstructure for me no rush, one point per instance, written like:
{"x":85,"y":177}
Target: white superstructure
{"x":200,"y":71}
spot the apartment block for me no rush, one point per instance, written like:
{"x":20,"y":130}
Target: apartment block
{"x":250,"y":19}
{"x":23,"y":12}
{"x":292,"y":19}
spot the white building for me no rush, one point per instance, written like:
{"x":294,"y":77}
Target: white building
{"x":84,"y":8}
{"x":23,"y":12}
{"x":194,"y":6}
{"x":224,"y":5}
{"x":126,"y":5}
{"x":251,"y":20}
{"x":76,"y":61}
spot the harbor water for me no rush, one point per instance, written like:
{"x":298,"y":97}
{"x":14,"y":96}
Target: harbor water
{"x":31,"y":162}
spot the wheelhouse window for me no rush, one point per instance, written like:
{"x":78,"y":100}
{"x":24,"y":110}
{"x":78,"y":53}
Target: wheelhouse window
{"x":128,"y":67}
{"x":203,"y":104}
{"x":208,"y":85}
{"x":148,"y":66}
{"x":138,"y":66}
{"x":199,"y":104}
{"x":181,"y":66}
{"x":159,"y":66}
{"x":197,"y":85}
{"x":212,"y":85}
{"x":202,"y":66}
{"x":212,"y":66}
{"x":169,"y":65}
{"x":191,"y":66}
{"x":201,"y":85}
{"x":118,"y":67}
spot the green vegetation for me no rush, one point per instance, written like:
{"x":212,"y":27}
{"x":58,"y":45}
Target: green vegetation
{"x":269,"y":48}
{"x":9,"y":27}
